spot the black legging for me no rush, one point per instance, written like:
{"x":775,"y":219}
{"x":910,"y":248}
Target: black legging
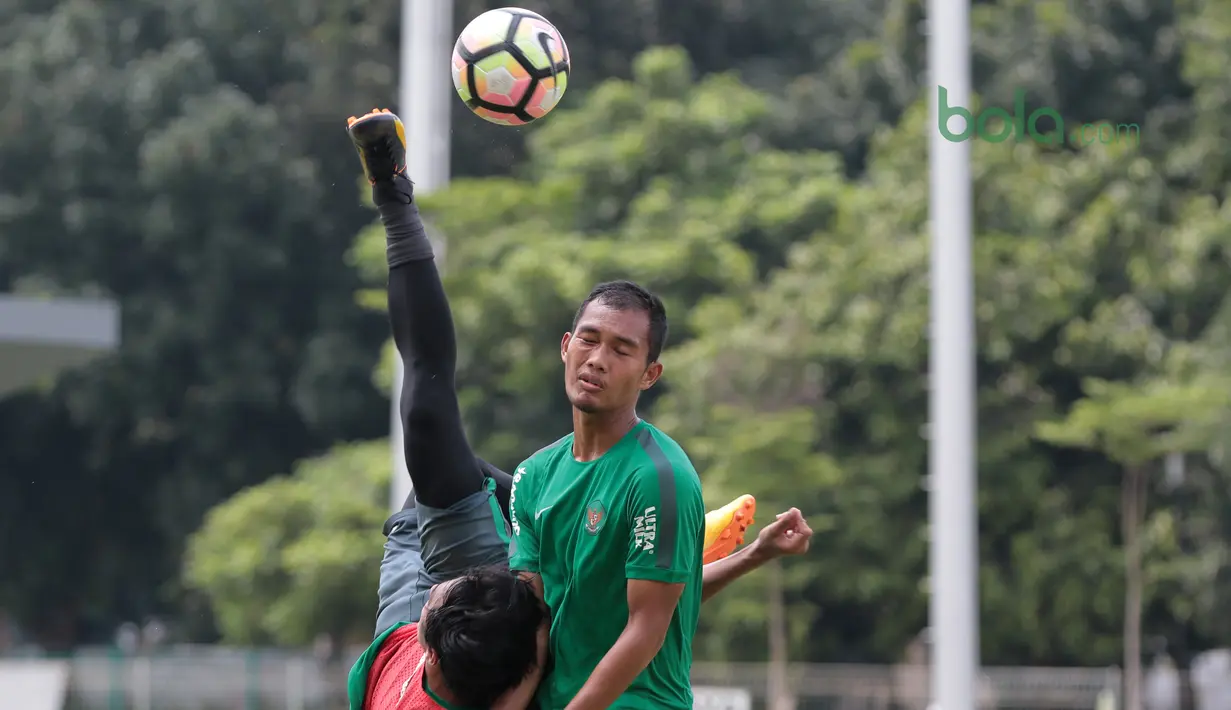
{"x":443,"y":468}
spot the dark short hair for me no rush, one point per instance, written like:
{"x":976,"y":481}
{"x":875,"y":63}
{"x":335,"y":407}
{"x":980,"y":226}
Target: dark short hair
{"x":485,"y":633}
{"x":628,"y":296}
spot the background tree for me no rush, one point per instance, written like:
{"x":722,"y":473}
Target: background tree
{"x":298,"y":555}
{"x":798,"y":298}
{"x":149,"y":153}
{"x":1137,"y":425}
{"x":189,"y":160}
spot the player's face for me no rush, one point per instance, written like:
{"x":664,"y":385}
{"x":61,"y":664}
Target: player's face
{"x":435,"y":596}
{"x":605,"y":366}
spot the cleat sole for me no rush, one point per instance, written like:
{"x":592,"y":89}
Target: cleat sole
{"x":725,"y":528}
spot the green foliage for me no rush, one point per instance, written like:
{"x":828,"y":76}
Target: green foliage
{"x":799,"y":306}
{"x":188,"y":159}
{"x":172,"y":156}
{"x":1136,"y":423}
{"x":299,"y":555}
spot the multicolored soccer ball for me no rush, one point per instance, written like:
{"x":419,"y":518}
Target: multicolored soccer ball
{"x":510,"y":66}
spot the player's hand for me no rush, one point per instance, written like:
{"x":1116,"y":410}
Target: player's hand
{"x":789,"y":534}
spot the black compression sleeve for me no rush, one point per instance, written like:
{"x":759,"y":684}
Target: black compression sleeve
{"x":443,"y":469}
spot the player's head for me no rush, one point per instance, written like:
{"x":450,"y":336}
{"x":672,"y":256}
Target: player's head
{"x":611,"y":354}
{"x":481,"y":631}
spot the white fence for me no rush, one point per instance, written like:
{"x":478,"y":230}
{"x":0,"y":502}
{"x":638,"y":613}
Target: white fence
{"x":219,"y":678}
{"x":862,"y":687}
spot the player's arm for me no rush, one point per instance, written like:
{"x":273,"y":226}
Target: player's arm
{"x":663,"y":553}
{"x":717,"y":575}
{"x":789,"y":534}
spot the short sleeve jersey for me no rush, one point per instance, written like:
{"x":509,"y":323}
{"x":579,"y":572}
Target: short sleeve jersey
{"x":389,"y":675}
{"x":635,"y":513}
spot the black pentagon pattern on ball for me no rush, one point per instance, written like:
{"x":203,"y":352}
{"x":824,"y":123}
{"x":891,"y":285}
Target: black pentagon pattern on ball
{"x":508,"y":45}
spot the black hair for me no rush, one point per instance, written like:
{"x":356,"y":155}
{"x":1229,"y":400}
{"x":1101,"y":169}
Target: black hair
{"x":628,"y":296}
{"x":485,"y":633}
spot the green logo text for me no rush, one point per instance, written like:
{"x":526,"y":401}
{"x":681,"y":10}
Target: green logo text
{"x":1043,"y":125}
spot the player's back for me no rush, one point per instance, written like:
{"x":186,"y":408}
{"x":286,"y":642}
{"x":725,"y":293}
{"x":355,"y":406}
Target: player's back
{"x":389,"y":676}
{"x":636,"y":512}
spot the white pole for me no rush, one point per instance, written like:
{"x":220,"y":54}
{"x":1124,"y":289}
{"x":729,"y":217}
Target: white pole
{"x":952,"y":481}
{"x":425,"y":85}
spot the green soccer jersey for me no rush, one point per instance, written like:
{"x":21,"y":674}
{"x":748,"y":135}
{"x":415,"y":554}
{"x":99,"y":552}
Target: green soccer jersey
{"x":586,"y":528}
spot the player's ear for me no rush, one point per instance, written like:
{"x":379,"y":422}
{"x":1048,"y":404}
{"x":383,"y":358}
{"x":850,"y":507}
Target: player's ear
{"x":651,"y":375}
{"x":564,"y":346}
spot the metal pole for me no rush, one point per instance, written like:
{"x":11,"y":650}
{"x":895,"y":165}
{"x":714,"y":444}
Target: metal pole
{"x":952,"y":481}
{"x":425,"y":86}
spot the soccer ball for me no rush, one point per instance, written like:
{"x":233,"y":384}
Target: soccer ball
{"x":510,"y":66}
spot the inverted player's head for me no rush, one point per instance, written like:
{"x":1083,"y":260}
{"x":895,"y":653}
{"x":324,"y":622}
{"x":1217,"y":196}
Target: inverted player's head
{"x":611,"y":354}
{"x":480,"y":631}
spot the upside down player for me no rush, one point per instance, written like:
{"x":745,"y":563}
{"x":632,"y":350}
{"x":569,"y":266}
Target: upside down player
{"x":456,"y":628}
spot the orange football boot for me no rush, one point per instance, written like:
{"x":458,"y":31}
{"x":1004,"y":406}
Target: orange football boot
{"x":725,"y":528}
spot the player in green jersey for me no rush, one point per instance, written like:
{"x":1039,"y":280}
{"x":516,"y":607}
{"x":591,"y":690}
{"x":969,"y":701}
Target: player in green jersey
{"x":609,"y":521}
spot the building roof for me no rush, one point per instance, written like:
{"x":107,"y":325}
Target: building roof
{"x":39,"y":338}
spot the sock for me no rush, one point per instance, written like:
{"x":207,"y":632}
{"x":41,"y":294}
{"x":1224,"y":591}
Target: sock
{"x":405,"y":238}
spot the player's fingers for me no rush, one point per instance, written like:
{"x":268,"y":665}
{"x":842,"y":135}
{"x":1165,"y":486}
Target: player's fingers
{"x":777,"y":526}
{"x":784,"y":517}
{"x":794,"y":517}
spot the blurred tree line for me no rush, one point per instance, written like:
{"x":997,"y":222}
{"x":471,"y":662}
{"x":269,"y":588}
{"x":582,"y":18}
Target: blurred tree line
{"x":190,"y":160}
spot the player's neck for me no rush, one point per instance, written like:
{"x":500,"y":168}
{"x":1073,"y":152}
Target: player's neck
{"x":436,"y":683}
{"x":595,"y":433}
